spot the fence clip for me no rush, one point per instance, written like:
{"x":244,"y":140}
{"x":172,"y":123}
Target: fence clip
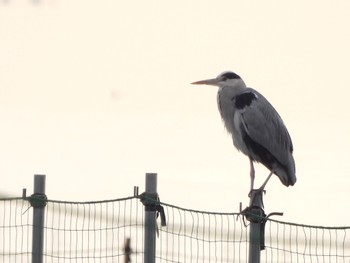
{"x":256,"y":215}
{"x":152,"y":203}
{"x":38,"y":200}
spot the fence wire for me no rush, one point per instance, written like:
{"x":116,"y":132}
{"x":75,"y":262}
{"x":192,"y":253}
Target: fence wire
{"x":113,"y":231}
{"x":15,"y":231}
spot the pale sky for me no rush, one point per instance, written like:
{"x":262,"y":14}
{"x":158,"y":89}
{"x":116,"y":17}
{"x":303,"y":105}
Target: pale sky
{"x":94,"y":94}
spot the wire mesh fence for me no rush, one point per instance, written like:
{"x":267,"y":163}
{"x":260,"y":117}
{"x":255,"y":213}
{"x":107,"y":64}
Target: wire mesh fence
{"x":15,"y":231}
{"x":113,"y":231}
{"x":224,"y":237}
{"x":197,"y":236}
{"x":93,"y":231}
{"x":73,"y":232}
{"x":289,"y":242}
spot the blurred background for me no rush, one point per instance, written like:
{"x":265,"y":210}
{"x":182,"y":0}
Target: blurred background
{"x":94,"y":94}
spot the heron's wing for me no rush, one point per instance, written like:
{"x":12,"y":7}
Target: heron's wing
{"x":264,"y":126}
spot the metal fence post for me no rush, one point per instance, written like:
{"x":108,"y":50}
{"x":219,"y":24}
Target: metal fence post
{"x":256,"y":216}
{"x":38,"y":202}
{"x":150,"y":220}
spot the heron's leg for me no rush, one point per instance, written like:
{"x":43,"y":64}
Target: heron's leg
{"x":252,"y":174}
{"x":267,"y":179}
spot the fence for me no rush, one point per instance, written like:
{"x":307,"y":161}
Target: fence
{"x":116,"y":231}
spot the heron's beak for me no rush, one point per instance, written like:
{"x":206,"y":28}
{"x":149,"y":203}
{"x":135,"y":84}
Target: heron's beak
{"x":212,"y":82}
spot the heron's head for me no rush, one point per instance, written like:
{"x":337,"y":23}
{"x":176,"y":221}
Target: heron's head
{"x":226,"y":78}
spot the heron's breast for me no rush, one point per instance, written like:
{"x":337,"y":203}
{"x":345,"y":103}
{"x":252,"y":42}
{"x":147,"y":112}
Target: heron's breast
{"x":232,"y":121}
{"x":227,"y":111}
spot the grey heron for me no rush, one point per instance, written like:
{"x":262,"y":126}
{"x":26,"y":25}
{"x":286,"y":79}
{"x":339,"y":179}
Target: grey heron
{"x":257,"y":129}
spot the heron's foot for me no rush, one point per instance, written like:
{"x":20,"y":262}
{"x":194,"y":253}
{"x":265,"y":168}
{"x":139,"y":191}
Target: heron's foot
{"x":254,"y":191}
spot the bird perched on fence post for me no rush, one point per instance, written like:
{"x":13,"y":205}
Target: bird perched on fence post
{"x":257,"y":129}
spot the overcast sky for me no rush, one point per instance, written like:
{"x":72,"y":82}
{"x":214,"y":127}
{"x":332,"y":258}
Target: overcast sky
{"x":94,"y":94}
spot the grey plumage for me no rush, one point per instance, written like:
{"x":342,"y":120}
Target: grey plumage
{"x":257,"y":129}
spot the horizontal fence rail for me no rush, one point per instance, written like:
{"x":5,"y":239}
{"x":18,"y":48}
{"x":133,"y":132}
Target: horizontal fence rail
{"x":113,"y":231}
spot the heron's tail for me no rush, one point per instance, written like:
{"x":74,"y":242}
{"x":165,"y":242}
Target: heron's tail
{"x":287,"y":173}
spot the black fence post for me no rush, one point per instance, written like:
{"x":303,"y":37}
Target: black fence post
{"x":38,"y":202}
{"x":256,"y":216}
{"x":150,"y":219}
